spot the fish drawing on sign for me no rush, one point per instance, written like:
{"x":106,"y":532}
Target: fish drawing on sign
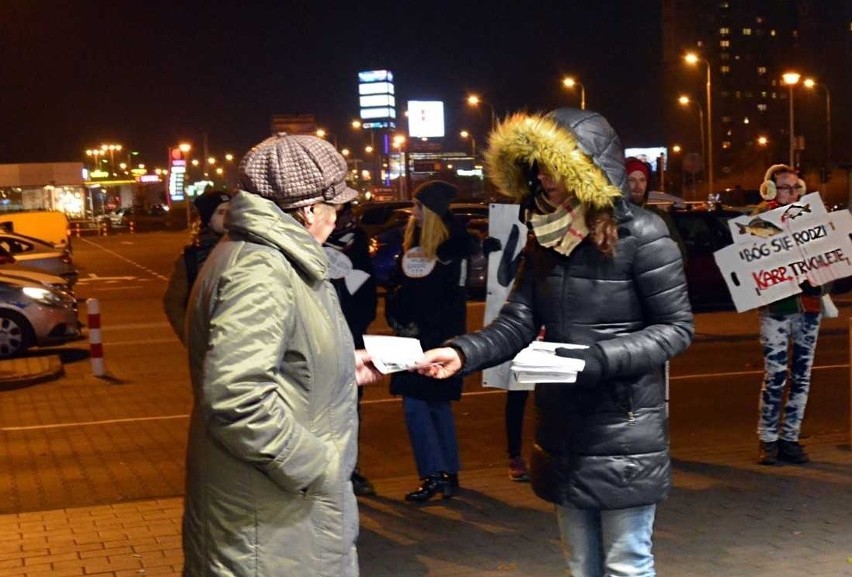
{"x":795,"y":211}
{"x":759,"y":227}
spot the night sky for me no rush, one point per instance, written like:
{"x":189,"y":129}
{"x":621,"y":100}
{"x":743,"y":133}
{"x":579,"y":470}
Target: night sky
{"x":150,"y":74}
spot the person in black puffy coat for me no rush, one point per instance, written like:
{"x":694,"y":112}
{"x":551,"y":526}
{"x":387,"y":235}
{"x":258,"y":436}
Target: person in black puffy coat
{"x":427,"y":300}
{"x":602,"y":273}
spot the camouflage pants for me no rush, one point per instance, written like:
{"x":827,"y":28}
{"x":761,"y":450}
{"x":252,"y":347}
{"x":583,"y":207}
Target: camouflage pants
{"x":776,"y":332}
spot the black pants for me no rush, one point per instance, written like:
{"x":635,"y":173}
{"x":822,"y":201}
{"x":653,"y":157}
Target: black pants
{"x":516,"y":402}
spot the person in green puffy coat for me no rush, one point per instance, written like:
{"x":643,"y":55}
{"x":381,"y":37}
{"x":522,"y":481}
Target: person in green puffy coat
{"x":273,"y":429}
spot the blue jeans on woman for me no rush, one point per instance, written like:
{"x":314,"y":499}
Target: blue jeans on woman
{"x":614,"y":543}
{"x":432,"y":430}
{"x":776,"y":332}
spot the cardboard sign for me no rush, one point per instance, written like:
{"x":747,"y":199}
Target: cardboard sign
{"x":774,"y":252}
{"x":503,"y":224}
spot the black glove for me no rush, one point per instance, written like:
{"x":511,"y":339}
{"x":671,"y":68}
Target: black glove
{"x":491,"y":244}
{"x":595,"y":363}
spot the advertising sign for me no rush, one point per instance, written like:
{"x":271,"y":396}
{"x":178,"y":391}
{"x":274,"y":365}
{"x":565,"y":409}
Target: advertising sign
{"x":425,"y":118}
{"x":376,"y":99}
{"x":776,"y":251}
{"x":177,"y":174}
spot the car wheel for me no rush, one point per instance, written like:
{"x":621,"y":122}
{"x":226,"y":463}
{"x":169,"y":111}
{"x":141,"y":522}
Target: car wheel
{"x":15,"y":334}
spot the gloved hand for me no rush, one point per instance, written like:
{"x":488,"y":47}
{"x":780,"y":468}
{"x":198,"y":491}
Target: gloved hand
{"x":595,"y":364}
{"x":491,"y":244}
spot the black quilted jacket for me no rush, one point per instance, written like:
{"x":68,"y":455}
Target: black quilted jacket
{"x":603,"y":447}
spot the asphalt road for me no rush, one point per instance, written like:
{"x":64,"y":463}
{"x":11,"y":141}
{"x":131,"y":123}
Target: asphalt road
{"x":81,"y":440}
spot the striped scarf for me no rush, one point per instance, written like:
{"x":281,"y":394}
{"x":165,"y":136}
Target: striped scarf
{"x":560,"y":227}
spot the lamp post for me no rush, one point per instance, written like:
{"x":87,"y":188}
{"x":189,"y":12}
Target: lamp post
{"x":401,"y":144}
{"x":685,"y":100}
{"x":94,"y":153}
{"x":692,"y":58}
{"x":571,"y":82}
{"x":112,"y":149}
{"x":810,"y":83}
{"x":791,"y":79}
{"x":465,"y":134}
{"x":474,"y":100}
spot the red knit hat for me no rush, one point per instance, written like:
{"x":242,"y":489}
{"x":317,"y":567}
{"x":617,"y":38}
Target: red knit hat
{"x":633,"y":164}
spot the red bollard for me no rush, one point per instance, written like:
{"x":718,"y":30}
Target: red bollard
{"x":96,"y":350}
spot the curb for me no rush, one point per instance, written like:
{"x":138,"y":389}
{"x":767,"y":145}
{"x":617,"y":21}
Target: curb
{"x":26,"y":371}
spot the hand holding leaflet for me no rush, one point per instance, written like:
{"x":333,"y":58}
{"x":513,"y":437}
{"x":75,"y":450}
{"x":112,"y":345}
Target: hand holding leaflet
{"x":540,"y":362}
{"x":593,"y":361}
{"x":393,"y":354}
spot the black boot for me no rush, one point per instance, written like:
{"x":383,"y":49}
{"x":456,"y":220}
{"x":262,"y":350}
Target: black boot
{"x":453,"y":478}
{"x":792,"y":452}
{"x":431,"y":486}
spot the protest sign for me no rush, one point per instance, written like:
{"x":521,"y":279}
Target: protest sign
{"x":776,"y":251}
{"x":503,"y":225}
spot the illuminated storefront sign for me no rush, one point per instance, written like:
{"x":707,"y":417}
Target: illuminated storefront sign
{"x":376,"y":99}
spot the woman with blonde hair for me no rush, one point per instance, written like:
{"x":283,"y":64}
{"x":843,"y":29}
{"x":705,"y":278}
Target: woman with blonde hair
{"x":427,"y":300}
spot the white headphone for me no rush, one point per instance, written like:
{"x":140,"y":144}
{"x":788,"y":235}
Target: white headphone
{"x":767,"y":187}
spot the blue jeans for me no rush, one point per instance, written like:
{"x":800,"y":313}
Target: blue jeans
{"x":613,"y":543}
{"x":776,"y":332}
{"x":432,"y":430}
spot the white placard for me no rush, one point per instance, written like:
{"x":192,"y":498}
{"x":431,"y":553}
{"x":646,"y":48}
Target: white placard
{"x":776,"y":251}
{"x":503,"y":224}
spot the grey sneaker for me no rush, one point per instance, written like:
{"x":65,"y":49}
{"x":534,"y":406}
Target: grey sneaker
{"x":768,"y":453}
{"x":792,"y":452}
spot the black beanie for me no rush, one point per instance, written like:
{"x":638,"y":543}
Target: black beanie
{"x":436,"y":195}
{"x":206,"y":204}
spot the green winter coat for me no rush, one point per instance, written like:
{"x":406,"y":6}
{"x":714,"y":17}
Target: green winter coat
{"x":273,"y":431}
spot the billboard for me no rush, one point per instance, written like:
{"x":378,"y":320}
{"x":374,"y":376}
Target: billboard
{"x":177,"y":174}
{"x":425,"y":118}
{"x":376,"y":100}
{"x":649,"y":154}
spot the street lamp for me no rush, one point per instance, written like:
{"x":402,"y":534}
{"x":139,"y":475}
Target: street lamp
{"x":571,"y":82}
{"x":810,"y":83}
{"x":399,"y":142}
{"x":94,"y":153}
{"x":693,"y":59}
{"x":474,"y":100}
{"x":465,"y":134}
{"x":685,"y":100}
{"x":791,"y":79}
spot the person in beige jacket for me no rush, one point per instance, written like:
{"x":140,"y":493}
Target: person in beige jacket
{"x":273,"y":430}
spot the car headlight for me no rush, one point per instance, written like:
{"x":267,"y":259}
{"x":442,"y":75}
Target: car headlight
{"x":45,"y":296}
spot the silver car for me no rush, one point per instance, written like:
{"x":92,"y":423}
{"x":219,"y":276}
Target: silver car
{"x":37,"y":254}
{"x":14,"y":272}
{"x":32,"y":314}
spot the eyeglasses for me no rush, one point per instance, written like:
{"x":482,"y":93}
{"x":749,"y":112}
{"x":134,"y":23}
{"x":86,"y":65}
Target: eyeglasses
{"x":789,"y":188}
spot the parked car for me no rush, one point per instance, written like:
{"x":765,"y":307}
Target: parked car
{"x":34,"y":315}
{"x":20,"y":273}
{"x":373,"y":215}
{"x":37,"y":254}
{"x":703,"y":233}
{"x":115,"y":217}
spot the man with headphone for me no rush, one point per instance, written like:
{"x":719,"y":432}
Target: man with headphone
{"x":795,"y":318}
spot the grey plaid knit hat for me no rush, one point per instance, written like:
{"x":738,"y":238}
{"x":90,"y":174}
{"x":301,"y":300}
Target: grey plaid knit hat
{"x":295,"y":170}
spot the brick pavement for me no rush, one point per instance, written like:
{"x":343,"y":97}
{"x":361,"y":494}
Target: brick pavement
{"x":726,"y":516}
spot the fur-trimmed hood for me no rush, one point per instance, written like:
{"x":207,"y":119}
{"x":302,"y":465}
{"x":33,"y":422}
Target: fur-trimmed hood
{"x":578,"y":147}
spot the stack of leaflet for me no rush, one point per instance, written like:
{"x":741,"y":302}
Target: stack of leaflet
{"x":539,"y":363}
